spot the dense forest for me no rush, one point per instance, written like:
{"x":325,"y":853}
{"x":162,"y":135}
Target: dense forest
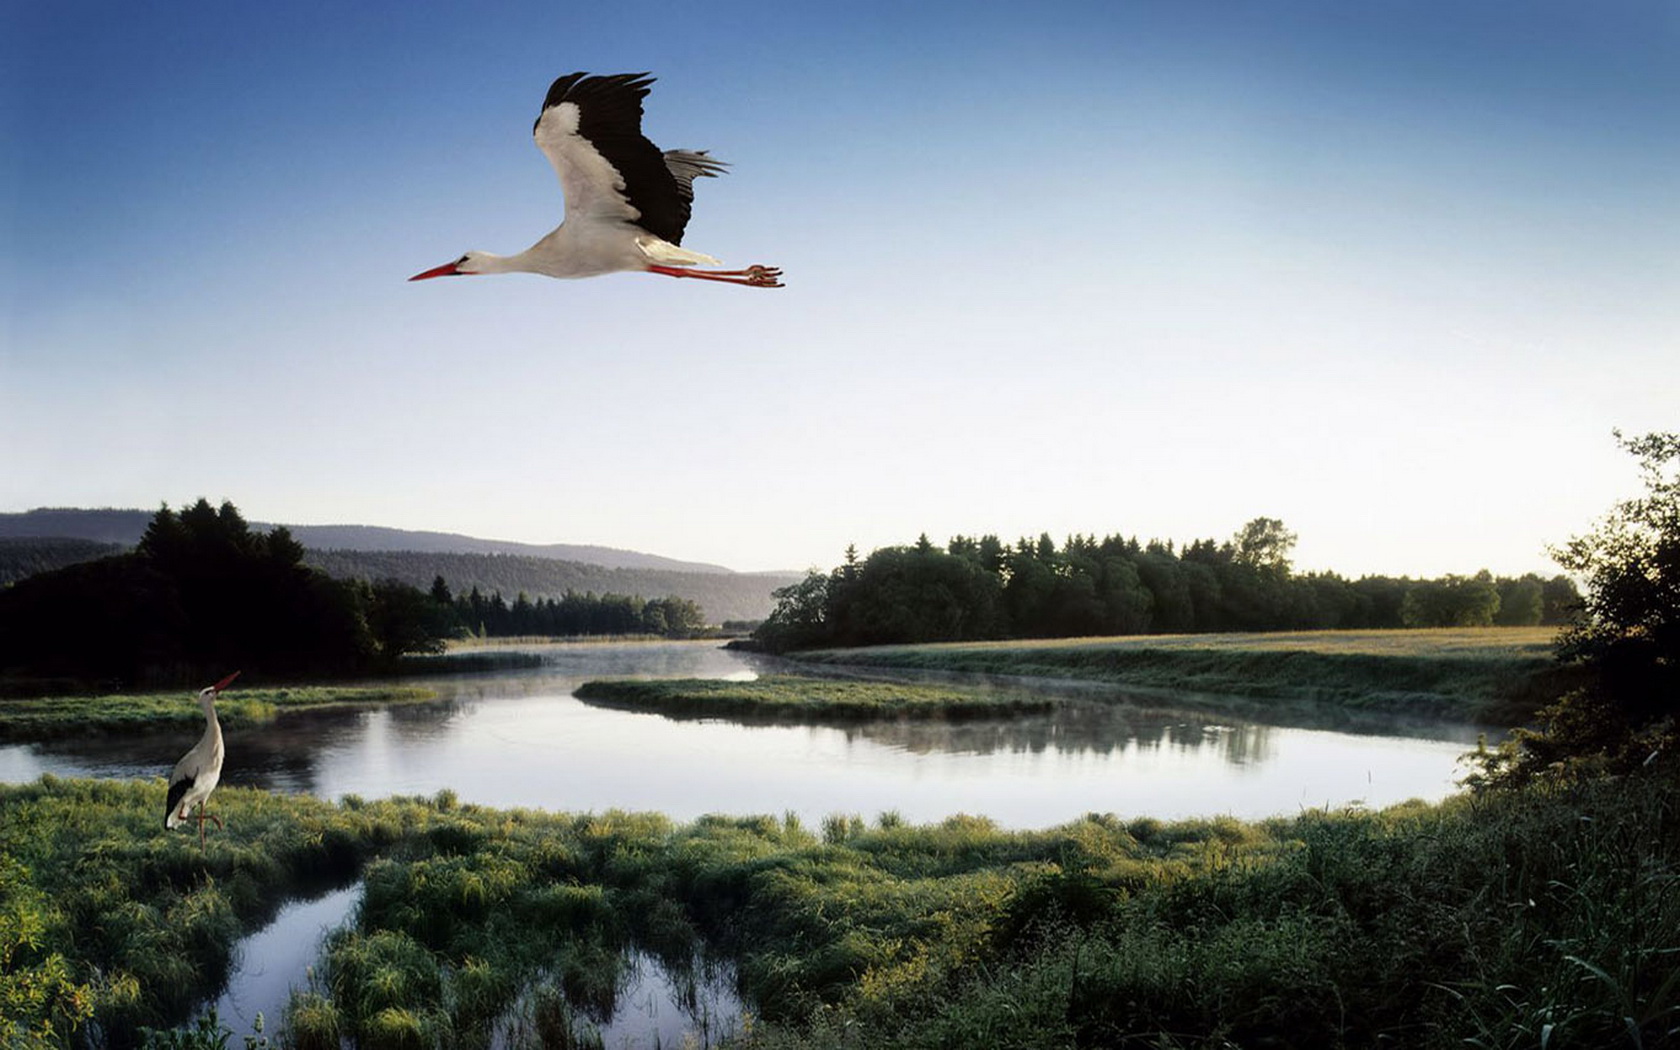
{"x":981,"y":588}
{"x":204,"y":593}
{"x":22,"y":557}
{"x":724,"y":596}
{"x":570,"y":615}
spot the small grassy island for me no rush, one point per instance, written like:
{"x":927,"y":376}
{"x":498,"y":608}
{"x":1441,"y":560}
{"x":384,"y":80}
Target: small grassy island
{"x":799,"y":698}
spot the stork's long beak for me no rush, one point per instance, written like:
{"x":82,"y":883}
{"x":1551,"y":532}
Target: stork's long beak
{"x":224,"y":683}
{"x":446,"y":270}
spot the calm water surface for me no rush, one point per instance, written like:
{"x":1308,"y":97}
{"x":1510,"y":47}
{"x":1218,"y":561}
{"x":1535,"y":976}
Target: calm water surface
{"x":519,"y":738}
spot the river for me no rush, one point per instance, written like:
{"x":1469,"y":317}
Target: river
{"x":520,"y":738}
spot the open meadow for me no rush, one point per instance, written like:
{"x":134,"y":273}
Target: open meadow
{"x":1493,"y":675}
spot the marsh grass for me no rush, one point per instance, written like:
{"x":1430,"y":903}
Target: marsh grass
{"x":806,"y":699}
{"x":1491,"y":675}
{"x":1539,"y":917}
{"x":45,"y":718}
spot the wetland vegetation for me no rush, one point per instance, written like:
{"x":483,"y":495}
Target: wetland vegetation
{"x":1495,"y":918}
{"x":44,"y":718}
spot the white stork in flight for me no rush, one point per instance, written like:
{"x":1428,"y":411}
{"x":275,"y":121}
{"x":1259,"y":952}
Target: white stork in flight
{"x":195,"y":776}
{"x":626,"y":202}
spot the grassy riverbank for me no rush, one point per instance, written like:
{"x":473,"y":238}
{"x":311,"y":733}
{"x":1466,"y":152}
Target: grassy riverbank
{"x":1493,"y":919}
{"x":48,"y":717}
{"x":795,"y":698}
{"x":1492,"y":675}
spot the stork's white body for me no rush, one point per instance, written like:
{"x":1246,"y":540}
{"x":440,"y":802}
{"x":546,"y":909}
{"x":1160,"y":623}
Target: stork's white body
{"x":200,"y":769}
{"x":627,"y":203}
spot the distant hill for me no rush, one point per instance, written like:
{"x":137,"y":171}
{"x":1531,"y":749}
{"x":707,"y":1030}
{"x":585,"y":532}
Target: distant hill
{"x":125,"y":527}
{"x":48,"y":538}
{"x":26,"y":556}
{"x":722,"y":595}
{"x":122,"y":527}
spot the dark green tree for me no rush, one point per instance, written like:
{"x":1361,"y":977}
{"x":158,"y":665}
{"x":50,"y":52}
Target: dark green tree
{"x":1264,"y":544}
{"x":800,"y":618}
{"x":1626,"y":639}
{"x":404,"y":619}
{"x":1521,"y":601}
{"x":1451,"y":601}
{"x":1629,"y":629}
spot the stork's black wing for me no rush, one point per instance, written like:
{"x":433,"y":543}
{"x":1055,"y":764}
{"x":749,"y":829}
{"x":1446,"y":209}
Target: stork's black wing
{"x":590,"y":128}
{"x":177,"y":791}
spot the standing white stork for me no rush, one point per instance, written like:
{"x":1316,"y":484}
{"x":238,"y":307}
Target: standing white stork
{"x":195,"y":776}
{"x":626,"y":202}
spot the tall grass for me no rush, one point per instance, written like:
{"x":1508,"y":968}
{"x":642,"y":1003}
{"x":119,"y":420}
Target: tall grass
{"x":1540,"y":917}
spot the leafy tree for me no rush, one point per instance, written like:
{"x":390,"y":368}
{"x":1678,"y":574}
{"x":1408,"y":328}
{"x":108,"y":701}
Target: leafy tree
{"x":1626,"y":639}
{"x":800,"y":617}
{"x":405,"y":619}
{"x":1629,"y":631}
{"x":1521,"y":601}
{"x":1264,"y":544}
{"x":1560,"y":600}
{"x":914,"y":594}
{"x":1452,"y":601}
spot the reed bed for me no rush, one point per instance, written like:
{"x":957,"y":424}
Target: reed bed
{"x":1540,"y":917}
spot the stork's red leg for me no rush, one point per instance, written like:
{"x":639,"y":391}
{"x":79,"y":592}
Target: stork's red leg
{"x":212,"y":818}
{"x":752,"y":276}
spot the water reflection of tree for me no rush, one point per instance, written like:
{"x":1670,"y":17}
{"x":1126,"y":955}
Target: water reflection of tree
{"x":1075,"y":729}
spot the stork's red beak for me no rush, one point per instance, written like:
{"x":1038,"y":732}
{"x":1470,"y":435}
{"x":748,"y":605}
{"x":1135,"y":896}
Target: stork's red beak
{"x":446,"y":270}
{"x":224,"y":683}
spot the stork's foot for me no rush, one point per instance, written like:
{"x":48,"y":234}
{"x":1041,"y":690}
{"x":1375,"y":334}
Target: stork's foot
{"x":201,"y":818}
{"x":753,"y":276}
{"x":764,"y":276}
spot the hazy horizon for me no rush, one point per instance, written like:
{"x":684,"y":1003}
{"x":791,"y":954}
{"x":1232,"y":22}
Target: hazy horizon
{"x":1390,"y":272}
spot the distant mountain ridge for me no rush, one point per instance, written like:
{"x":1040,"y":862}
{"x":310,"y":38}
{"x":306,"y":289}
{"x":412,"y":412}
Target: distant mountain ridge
{"x":125,"y":527}
{"x":48,"y":538}
{"x":720,"y":595}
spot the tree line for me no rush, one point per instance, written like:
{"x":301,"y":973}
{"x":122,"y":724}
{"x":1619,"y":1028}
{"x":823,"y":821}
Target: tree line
{"x":571,"y":614}
{"x":202,"y":593}
{"x":980,"y":588}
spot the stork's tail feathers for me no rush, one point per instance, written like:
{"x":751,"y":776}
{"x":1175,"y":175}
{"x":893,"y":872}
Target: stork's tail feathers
{"x":660,"y":251}
{"x":690,"y":164}
{"x":686,"y":165}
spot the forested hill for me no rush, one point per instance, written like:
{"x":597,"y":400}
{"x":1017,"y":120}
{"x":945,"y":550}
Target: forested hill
{"x":722,"y":595}
{"x":27,"y":556}
{"x":125,"y":527}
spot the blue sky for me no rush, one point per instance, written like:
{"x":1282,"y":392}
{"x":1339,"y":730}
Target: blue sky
{"x":1390,"y":272}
